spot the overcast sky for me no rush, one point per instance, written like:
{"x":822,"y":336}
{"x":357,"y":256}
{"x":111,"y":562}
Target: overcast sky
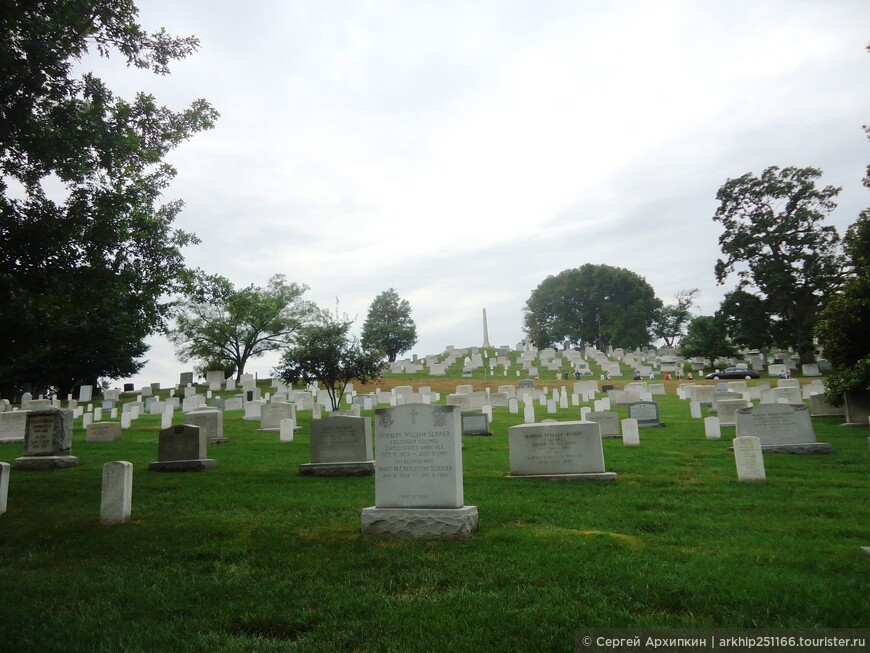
{"x":460,"y":152}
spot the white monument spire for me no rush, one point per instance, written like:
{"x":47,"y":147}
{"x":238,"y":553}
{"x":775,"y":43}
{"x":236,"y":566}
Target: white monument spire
{"x":485,"y":331}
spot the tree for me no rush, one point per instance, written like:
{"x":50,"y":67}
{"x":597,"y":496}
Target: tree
{"x":705,"y":337}
{"x":671,"y":320}
{"x":774,"y":240}
{"x":389,"y":326}
{"x":85,"y":267}
{"x":746,"y":320}
{"x":593,"y":303}
{"x":845,"y":322}
{"x":324,"y":351}
{"x":219,"y":324}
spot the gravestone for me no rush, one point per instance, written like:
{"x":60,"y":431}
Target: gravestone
{"x":285,"y":432}
{"x":272,"y":414}
{"x":13,"y":426}
{"x":210,"y":422}
{"x":47,"y":441}
{"x":117,"y":492}
{"x":4,"y":486}
{"x":253,"y":410}
{"x":630,"y":432}
{"x":820,"y":407}
{"x":565,"y":451}
{"x":418,"y":475}
{"x":749,"y":459}
{"x":182,"y":448}
{"x":215,"y":379}
{"x":185,"y":378}
{"x":646,"y":413}
{"x":340,"y":446}
{"x":695,"y":409}
{"x":475,"y":424}
{"x":712,"y":431}
{"x":607,"y":420}
{"x":103,"y":432}
{"x":727,"y":410}
{"x":857,"y":404}
{"x":781,"y":428}
{"x":86,"y":393}
{"x":787,"y":394}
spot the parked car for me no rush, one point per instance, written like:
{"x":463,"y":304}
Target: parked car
{"x":733,"y":373}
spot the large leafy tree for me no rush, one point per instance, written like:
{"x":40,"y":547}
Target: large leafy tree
{"x":218,"y":324}
{"x":389,"y":326}
{"x":746,"y":320}
{"x":88,"y":253}
{"x":845,"y":322}
{"x":600,"y":304}
{"x":705,"y":337}
{"x":671,"y":320}
{"x":776,"y":244}
{"x":325,"y":351}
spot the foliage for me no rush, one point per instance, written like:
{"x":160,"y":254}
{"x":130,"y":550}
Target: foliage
{"x":325,"y":352}
{"x":774,"y":240}
{"x":220,"y":325}
{"x":705,"y":337}
{"x":600,"y":304}
{"x":746,"y":320}
{"x":87,"y":252}
{"x":844,"y":324}
{"x":671,"y":320}
{"x":388,"y":325}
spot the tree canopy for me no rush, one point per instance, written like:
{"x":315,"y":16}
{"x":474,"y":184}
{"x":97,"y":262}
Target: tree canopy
{"x":389,"y":326}
{"x":776,"y":244}
{"x":705,"y":338}
{"x":220,"y":324}
{"x":845,"y":322}
{"x":598,"y":304}
{"x":326,"y":352}
{"x":88,"y":253}
{"x":671,"y":320}
{"x":746,"y":320}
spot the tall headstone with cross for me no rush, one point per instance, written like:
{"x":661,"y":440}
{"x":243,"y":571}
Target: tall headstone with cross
{"x":418,"y":475}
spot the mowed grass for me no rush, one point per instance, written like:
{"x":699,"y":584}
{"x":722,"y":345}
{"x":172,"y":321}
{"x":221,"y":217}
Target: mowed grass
{"x":250,"y":556}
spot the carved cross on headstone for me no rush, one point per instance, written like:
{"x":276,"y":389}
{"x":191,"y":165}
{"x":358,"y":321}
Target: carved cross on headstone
{"x":413,"y":414}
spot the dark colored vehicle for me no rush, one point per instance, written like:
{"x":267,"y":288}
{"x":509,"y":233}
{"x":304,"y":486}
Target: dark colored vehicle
{"x":733,"y":373}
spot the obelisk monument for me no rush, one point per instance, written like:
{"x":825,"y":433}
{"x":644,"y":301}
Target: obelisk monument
{"x":485,"y":331}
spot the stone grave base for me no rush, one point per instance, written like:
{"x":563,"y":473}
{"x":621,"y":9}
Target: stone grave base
{"x":217,"y":440}
{"x":809,"y":448}
{"x":420,"y":523}
{"x":855,"y":424}
{"x":12,"y":441}
{"x":478,"y":433}
{"x":44,"y":463}
{"x":590,"y":476}
{"x":198,"y":465}
{"x":296,"y":429}
{"x":611,"y":437}
{"x":361,"y":468}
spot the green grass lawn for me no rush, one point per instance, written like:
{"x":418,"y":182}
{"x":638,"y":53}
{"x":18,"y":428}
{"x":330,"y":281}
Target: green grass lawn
{"x":250,"y":556}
